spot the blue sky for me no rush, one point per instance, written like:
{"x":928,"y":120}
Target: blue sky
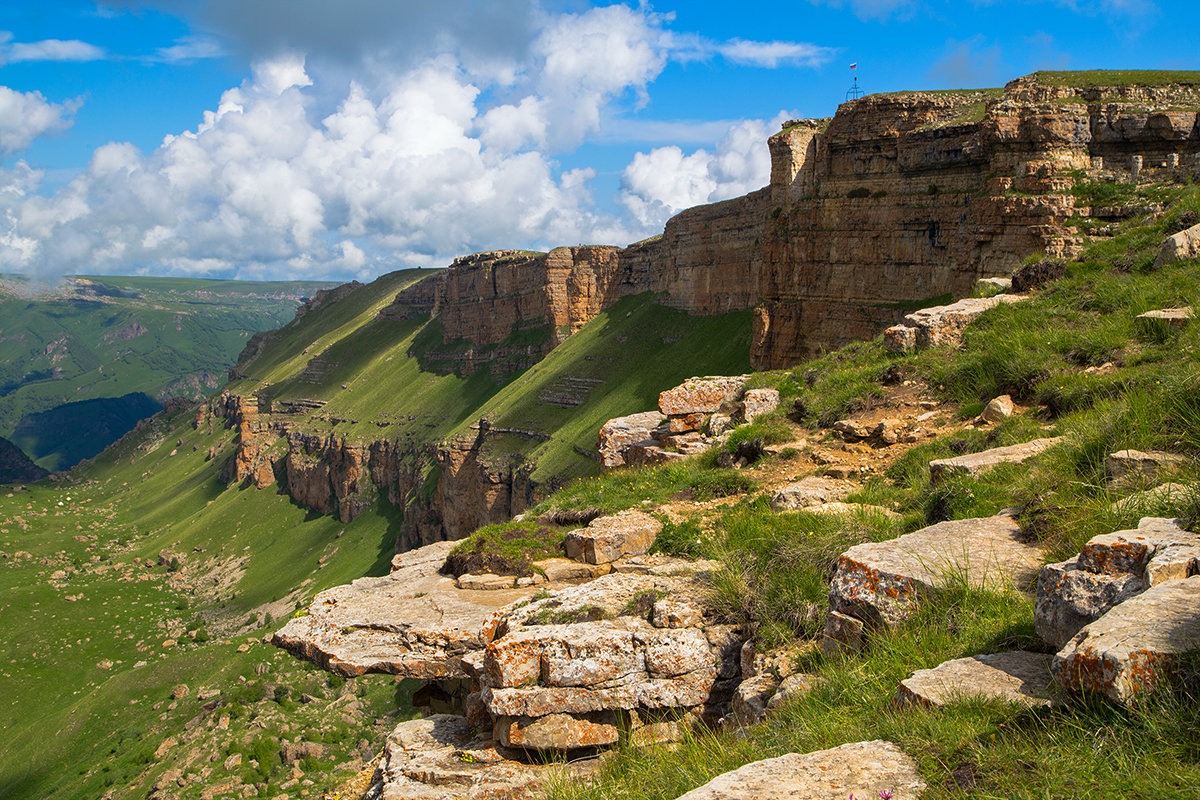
{"x":305,"y":138}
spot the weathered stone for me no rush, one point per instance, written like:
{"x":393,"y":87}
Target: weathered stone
{"x":1172,"y":318}
{"x":674,"y":612}
{"x":441,"y":758}
{"x":850,"y":508}
{"x":811,"y":491}
{"x":558,"y":731}
{"x":999,"y":409}
{"x":900,"y":339}
{"x":1185,"y":244}
{"x":485,"y":582}
{"x":413,"y":622}
{"x":862,"y":769}
{"x":843,"y":633}
{"x":1068,"y":598}
{"x":1129,"y":651}
{"x":619,"y":433}
{"x":756,"y":402}
{"x":700,"y":395}
{"x":851,"y":431}
{"x":976,"y":463}
{"x":662,"y":564}
{"x":606,"y":539}
{"x":887,"y":431}
{"x":943,"y":325}
{"x":590,"y":648}
{"x":1133,"y":466}
{"x":1019,"y":676}
{"x":752,"y":696}
{"x":793,"y":686}
{"x":649,"y":453}
{"x":720,"y":424}
{"x":881,"y":582}
{"x":1110,"y":569}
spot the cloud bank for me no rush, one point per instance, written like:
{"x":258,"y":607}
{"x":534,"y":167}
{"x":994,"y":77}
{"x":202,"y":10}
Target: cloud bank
{"x":424,"y":155}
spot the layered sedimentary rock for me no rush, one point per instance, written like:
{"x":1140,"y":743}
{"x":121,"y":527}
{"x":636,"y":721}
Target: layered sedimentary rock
{"x":900,"y":198}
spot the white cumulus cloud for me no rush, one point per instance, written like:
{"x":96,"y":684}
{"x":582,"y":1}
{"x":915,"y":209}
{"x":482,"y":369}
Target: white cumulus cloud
{"x":24,"y":116}
{"x":659,"y":184}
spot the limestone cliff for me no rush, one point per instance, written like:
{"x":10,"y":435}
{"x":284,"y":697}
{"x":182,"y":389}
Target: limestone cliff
{"x":900,"y":198}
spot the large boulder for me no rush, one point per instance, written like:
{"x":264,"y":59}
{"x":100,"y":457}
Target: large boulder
{"x":617,"y":434}
{"x":880,"y":583}
{"x":756,"y":402}
{"x":700,"y":395}
{"x":861,"y":769}
{"x":413,"y":622}
{"x":1129,"y":651}
{"x":977,"y":463}
{"x":1111,"y":568}
{"x":607,"y":539}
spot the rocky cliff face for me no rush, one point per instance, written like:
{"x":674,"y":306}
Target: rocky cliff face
{"x":900,"y":198}
{"x":506,"y":309}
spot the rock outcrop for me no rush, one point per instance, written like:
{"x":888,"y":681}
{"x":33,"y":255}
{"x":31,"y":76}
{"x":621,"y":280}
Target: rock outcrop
{"x":1133,"y":648}
{"x":624,"y":653}
{"x":1111,"y":568}
{"x":413,"y":622}
{"x":442,"y":757}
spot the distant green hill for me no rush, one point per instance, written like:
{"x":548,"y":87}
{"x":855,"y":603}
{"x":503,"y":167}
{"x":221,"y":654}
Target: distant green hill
{"x":110,"y":337}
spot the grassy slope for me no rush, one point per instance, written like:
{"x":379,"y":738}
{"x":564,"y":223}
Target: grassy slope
{"x":82,"y":343}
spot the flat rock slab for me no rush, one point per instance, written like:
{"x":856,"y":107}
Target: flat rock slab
{"x":1019,"y":676}
{"x":1131,"y":649}
{"x":440,"y":758}
{"x":414,"y":622}
{"x":811,"y":491}
{"x":1175,"y":318}
{"x":943,"y":325}
{"x":1132,"y":465}
{"x":881,"y":582}
{"x":864,"y":769}
{"x":977,"y":463}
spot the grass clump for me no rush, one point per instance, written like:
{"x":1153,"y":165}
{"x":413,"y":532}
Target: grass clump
{"x":627,"y":488}
{"x":507,"y":548}
{"x":775,"y":567}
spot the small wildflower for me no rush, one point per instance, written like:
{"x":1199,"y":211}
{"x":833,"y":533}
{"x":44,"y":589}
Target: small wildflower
{"x":885,"y":795}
